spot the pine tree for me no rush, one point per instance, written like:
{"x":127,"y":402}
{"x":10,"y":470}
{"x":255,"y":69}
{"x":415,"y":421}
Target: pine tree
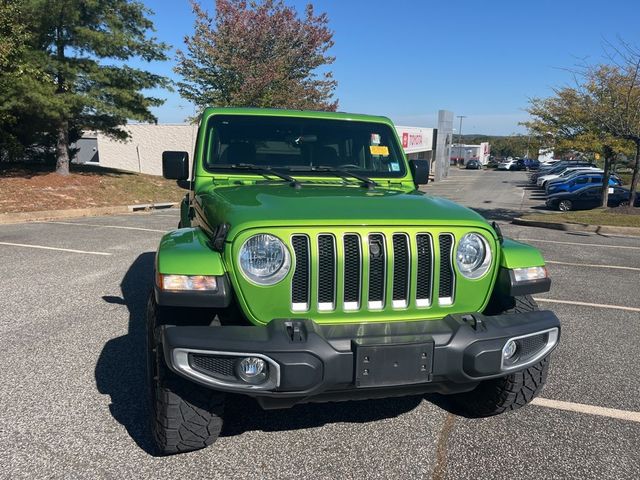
{"x":73,"y":41}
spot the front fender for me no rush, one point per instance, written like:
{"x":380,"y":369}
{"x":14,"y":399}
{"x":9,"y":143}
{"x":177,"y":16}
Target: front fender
{"x":519,"y":255}
{"x":186,"y":251}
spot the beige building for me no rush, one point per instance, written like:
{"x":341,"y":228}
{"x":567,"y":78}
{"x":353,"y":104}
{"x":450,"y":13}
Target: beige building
{"x":142,"y":152}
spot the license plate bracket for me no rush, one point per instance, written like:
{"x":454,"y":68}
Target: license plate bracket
{"x":383,"y":365}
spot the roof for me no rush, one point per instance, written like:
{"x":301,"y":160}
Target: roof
{"x":296,"y":113}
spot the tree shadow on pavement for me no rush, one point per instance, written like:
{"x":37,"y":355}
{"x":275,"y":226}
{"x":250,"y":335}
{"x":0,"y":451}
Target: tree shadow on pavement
{"x":121,"y":368}
{"x":121,"y":373}
{"x":507,"y":214}
{"x":498,"y":213}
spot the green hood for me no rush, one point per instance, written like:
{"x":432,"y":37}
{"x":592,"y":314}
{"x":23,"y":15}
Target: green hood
{"x":277,"y":204}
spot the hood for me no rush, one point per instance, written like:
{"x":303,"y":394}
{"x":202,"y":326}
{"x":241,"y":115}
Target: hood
{"x":278,"y":204}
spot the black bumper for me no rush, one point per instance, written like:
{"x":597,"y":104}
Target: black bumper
{"x":312,"y":362}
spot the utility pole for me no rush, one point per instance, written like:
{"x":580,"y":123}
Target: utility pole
{"x":460,"y":137}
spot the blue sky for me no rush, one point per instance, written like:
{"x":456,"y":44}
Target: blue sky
{"x":408,"y":59}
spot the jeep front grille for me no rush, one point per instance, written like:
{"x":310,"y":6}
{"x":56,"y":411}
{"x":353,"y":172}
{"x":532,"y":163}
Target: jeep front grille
{"x":377,"y":271}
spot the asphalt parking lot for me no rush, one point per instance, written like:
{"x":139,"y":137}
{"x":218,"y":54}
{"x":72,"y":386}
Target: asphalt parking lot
{"x":72,"y":394}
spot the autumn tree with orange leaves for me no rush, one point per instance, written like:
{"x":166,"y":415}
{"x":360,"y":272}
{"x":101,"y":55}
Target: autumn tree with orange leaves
{"x":258,"y":54}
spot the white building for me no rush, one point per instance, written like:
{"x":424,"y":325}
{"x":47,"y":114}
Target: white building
{"x":461,"y":154}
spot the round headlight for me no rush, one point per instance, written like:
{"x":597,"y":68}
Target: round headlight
{"x":473,"y":256}
{"x":264,"y":259}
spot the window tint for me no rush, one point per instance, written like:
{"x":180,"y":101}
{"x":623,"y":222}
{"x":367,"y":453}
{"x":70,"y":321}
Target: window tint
{"x":290,"y":143}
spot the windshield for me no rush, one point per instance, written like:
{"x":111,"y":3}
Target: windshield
{"x":300,"y":145}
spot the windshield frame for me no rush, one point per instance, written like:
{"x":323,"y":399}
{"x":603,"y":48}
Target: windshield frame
{"x":403,"y":174}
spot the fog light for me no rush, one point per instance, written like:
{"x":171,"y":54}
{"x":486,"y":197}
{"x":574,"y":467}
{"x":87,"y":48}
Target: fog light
{"x":252,"y":370}
{"x":509,"y":350}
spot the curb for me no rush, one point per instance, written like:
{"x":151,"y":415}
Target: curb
{"x":579,"y":227}
{"x":22,"y":217}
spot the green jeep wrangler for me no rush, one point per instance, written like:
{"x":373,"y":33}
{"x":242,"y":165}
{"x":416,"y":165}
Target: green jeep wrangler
{"x":308,"y":267}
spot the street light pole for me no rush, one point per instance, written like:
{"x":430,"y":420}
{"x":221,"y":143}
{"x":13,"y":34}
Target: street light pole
{"x":460,"y":137}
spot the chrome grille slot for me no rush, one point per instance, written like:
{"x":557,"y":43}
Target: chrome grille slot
{"x":377,"y":271}
{"x":326,"y":272}
{"x":447,"y":279}
{"x":300,"y":279}
{"x":401,"y":271}
{"x":424,"y":276}
{"x":352,"y":271}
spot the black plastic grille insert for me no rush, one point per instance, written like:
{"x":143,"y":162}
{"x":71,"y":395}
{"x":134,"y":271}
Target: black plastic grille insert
{"x":326,"y":269}
{"x":215,"y":365}
{"x":445,"y":289}
{"x":423,"y":285}
{"x":377,"y":260}
{"x":300,"y":280}
{"x":352,"y":262}
{"x":400,"y":267}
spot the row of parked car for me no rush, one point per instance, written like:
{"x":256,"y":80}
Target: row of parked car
{"x":576,"y":185}
{"x":517,"y":164}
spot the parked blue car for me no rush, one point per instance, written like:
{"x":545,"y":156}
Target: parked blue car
{"x":579,"y":181}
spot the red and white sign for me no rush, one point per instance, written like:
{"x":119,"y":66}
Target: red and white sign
{"x":415,"y":139}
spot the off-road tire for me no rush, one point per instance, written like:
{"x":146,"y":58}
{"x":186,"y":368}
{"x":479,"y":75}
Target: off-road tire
{"x":514,"y":391}
{"x":184,"y":416}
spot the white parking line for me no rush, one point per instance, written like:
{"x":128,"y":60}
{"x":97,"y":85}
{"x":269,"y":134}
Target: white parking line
{"x":588,"y":409}
{"x":42,"y":247}
{"x":576,"y":243}
{"x":585,"y":304}
{"x":106,"y":226}
{"x":592,"y":265}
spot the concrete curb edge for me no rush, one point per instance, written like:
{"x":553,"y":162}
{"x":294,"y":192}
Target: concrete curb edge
{"x":579,"y":227}
{"x":44,"y":215}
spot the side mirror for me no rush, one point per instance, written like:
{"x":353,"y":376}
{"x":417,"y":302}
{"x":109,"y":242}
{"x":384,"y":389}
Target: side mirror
{"x":419,"y":171}
{"x":175,"y":165}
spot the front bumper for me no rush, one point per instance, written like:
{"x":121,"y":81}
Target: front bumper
{"x":312,"y":362}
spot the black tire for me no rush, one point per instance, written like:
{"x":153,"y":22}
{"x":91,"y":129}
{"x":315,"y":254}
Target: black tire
{"x":565,"y":205}
{"x":498,"y":395}
{"x":184,"y":416}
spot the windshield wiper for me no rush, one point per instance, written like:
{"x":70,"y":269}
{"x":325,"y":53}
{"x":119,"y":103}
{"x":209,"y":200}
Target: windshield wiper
{"x":345,"y":174}
{"x":266,"y":171}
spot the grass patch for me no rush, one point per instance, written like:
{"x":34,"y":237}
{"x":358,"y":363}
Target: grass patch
{"x":26,"y":188}
{"x":617,"y":217}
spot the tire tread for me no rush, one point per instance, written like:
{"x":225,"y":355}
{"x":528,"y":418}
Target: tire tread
{"x":511,"y":392}
{"x":184,"y":415}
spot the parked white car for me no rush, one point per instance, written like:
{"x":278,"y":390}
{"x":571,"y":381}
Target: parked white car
{"x":508,"y":164}
{"x":542,"y":181}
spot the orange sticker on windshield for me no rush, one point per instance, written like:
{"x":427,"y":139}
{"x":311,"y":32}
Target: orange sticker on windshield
{"x":379,"y":150}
